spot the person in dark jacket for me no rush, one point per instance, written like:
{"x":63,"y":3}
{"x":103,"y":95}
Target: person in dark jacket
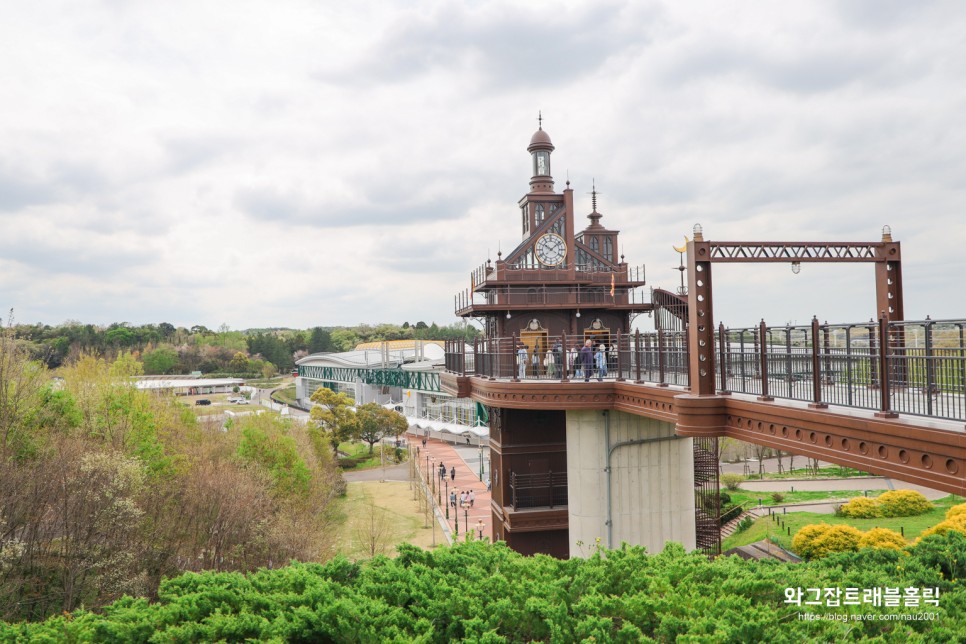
{"x":587,"y":359}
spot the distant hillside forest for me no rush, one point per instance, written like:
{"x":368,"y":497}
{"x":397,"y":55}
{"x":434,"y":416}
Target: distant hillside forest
{"x":166,"y":349}
{"x":105,"y":489}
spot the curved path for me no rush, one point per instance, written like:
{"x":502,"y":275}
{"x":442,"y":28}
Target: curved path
{"x":466,"y":463}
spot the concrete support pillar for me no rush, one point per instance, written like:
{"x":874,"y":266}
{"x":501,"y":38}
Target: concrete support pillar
{"x":651,"y":482}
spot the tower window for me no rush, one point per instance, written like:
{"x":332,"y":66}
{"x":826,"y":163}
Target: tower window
{"x":539,"y":214}
{"x":609,"y":249}
{"x":526,"y":220}
{"x":541,"y":163}
{"x":594,"y":243}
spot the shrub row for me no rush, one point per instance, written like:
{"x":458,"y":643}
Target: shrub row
{"x":480,"y":592}
{"x":821,"y":539}
{"x":894,"y":503}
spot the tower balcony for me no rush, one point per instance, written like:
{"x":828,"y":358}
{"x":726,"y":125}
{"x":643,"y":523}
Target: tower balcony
{"x":503,"y":274}
{"x":510,"y":298}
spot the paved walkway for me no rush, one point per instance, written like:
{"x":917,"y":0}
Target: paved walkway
{"x":467,"y":478}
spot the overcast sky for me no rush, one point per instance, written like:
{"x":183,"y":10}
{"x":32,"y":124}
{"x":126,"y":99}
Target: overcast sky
{"x":330,"y":163}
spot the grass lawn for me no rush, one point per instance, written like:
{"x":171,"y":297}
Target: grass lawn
{"x":767,"y":527}
{"x":360,"y":450}
{"x":801,"y":473}
{"x":751,"y":498}
{"x":270,"y":383}
{"x":286,"y":395}
{"x":384,"y":514}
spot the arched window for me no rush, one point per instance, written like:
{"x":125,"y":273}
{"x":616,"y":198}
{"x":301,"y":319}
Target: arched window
{"x":608,"y":249}
{"x":594,"y":244}
{"x":539,"y":214}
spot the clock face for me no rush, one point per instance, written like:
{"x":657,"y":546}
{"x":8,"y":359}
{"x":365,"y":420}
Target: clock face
{"x":551,"y":249}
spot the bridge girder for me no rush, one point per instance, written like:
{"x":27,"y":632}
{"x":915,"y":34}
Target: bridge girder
{"x":897,"y":448}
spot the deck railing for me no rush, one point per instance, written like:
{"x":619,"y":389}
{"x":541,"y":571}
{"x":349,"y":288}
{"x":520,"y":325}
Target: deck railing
{"x":919,"y":369}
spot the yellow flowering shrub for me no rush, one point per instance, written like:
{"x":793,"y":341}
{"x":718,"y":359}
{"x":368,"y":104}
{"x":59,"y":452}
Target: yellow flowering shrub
{"x":820,"y":539}
{"x":882,"y":538}
{"x":957,"y":523}
{"x":803,"y":543}
{"x":903,"y":503}
{"x":861,"y":508}
{"x":956,"y":510}
{"x":838,"y":538}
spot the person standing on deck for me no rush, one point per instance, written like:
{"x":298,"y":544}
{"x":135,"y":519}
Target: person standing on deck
{"x":587,"y":360}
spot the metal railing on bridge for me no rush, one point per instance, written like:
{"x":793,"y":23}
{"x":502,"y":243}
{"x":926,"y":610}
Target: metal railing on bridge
{"x":920,"y":368}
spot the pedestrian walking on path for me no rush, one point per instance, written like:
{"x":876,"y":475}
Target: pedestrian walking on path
{"x":452,"y":473}
{"x":466,"y":481}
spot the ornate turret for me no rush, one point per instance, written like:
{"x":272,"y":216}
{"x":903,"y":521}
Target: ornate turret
{"x":540,"y":148}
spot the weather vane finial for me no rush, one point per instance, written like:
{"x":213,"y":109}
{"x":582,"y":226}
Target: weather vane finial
{"x":540,"y":119}
{"x":593,"y":194}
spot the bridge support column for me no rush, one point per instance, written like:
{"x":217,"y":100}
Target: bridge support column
{"x":629,"y":478}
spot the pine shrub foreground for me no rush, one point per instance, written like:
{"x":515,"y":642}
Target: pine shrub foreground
{"x":487,"y":593}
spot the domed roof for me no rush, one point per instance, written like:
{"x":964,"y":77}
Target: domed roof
{"x":540,"y":136}
{"x":540,"y":141}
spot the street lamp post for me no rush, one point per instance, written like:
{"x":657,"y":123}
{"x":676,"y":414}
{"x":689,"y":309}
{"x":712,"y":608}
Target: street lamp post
{"x":456,"y":523}
{"x":466,"y":522}
{"x":480,"y":441}
{"x":447,"y":498}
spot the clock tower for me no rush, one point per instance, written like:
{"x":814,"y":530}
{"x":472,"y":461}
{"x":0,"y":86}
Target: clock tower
{"x":558,"y":285}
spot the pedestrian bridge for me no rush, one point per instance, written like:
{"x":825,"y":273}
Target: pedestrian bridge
{"x":885,"y":397}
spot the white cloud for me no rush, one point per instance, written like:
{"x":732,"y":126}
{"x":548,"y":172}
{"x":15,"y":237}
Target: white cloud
{"x":303,"y":163}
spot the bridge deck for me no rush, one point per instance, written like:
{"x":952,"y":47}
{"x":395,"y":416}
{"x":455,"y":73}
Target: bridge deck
{"x":890,"y":409}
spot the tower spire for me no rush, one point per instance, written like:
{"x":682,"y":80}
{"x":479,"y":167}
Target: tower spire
{"x":594,"y":216}
{"x":539,"y":119}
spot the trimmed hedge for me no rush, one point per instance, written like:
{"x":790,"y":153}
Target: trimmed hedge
{"x":903,"y":503}
{"x":894,"y":503}
{"x":480,"y":592}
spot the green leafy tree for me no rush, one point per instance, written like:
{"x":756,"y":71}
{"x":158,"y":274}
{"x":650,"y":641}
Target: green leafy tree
{"x":333,"y":414}
{"x":239,"y":363}
{"x":160,"y":361}
{"x":320,"y":340}
{"x":344,"y":339}
{"x":21,"y":380}
{"x":119,"y":335}
{"x":166,"y":330}
{"x":264,"y":442}
{"x":126,"y":366}
{"x":374,"y":422}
